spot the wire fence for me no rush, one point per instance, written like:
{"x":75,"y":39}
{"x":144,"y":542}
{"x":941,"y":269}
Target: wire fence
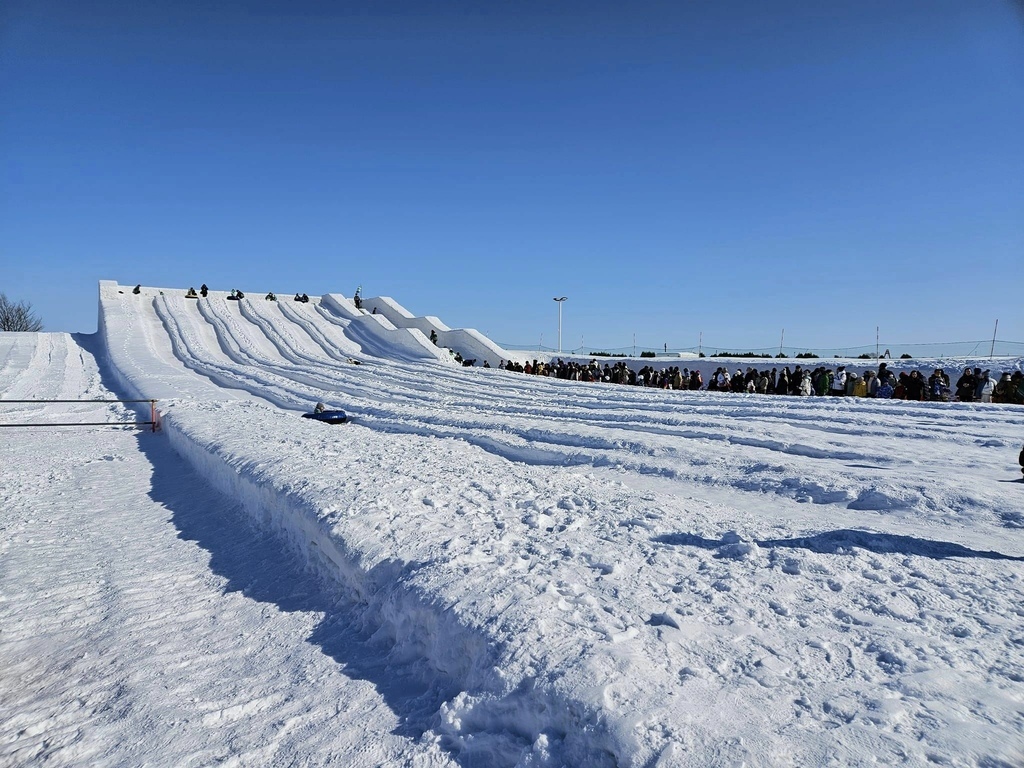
{"x":944,"y":349}
{"x":153,"y":423}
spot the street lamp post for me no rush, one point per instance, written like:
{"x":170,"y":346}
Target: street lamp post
{"x":560,"y":299}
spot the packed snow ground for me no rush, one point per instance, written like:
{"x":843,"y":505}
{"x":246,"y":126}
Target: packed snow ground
{"x":489,"y":569}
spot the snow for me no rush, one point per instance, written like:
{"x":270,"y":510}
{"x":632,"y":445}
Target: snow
{"x":488,"y":568}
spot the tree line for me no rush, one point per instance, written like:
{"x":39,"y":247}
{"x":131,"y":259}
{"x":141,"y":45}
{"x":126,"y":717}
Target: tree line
{"x":18,"y":316}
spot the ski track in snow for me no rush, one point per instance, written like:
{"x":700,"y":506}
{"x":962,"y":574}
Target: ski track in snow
{"x":539,"y":572}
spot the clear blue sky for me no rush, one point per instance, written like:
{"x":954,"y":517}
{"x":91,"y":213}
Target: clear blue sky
{"x":672,"y":167}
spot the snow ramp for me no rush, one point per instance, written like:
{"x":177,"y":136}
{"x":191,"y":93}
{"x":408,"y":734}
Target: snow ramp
{"x":377,"y":334}
{"x":468,"y":342}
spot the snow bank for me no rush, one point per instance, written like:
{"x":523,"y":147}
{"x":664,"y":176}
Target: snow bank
{"x":495,"y":712}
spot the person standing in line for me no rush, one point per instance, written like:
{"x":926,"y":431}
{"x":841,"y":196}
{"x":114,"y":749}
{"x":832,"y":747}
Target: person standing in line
{"x":987,"y":387}
{"x":965,"y":386}
{"x":839,"y":382}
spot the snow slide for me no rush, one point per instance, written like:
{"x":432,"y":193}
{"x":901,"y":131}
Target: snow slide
{"x":468,"y":342}
{"x":596,"y":575}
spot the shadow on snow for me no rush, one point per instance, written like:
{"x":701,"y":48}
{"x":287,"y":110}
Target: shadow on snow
{"x":842,"y":541}
{"x":263,"y":569}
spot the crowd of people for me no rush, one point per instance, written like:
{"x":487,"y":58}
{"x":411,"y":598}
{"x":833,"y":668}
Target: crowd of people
{"x":973,"y":385}
{"x":237,"y":295}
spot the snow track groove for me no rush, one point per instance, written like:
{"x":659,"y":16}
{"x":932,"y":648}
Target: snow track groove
{"x":335,"y":344}
{"x":297,"y":347}
{"x":658,"y":432}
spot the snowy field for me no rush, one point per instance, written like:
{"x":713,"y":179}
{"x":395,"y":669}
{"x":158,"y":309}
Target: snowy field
{"x":485,"y":568}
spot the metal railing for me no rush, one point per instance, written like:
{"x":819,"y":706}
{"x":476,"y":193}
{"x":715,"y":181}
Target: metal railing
{"x":154,"y":421}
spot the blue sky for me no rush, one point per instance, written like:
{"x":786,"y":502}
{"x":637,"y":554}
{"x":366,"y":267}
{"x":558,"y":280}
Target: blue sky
{"x":731,"y":168}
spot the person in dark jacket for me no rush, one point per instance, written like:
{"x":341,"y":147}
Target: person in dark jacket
{"x":938,"y":386}
{"x":979,"y":384}
{"x":203,"y":290}
{"x":782,"y":384}
{"x":965,"y":386}
{"x":795,"y":379}
{"x":1003,"y":392}
{"x":914,"y":386}
{"x":1017,"y":392}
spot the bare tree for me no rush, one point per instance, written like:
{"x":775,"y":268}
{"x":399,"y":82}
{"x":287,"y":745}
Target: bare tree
{"x":18,"y":317}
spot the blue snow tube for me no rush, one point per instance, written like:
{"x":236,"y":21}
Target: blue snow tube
{"x":328,"y":417}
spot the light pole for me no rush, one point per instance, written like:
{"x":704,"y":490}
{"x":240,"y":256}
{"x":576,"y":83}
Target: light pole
{"x":560,"y":299}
